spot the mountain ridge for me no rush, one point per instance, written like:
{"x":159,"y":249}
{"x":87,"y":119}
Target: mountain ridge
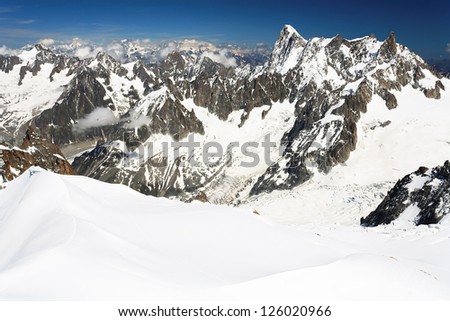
{"x":317,"y":89}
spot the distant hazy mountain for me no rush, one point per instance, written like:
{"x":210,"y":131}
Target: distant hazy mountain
{"x":441,"y":65}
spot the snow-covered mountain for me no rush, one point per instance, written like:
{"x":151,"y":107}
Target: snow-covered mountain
{"x":151,"y":51}
{"x":75,"y":238}
{"x":316,"y":136}
{"x":323,"y":103}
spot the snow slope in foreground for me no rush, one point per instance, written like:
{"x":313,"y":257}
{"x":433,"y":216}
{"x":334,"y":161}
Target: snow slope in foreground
{"x":69,"y":237}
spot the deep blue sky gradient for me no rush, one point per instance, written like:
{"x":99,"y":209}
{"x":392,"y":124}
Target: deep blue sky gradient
{"x":423,"y":26}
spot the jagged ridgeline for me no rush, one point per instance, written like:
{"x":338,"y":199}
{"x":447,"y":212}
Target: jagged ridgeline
{"x":308,"y":95}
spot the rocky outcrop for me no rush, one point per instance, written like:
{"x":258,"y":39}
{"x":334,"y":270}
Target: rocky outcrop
{"x":389,"y":98}
{"x":434,"y":92}
{"x":423,"y":196}
{"x":7,"y":63}
{"x":173,"y":119}
{"x":34,"y":151}
{"x":201,"y":197}
{"x":388,"y":49}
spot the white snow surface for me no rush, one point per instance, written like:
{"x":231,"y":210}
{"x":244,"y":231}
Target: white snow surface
{"x":417,"y":183}
{"x":70,"y":237}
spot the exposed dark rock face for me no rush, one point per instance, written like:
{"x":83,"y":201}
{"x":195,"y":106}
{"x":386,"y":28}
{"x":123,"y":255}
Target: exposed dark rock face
{"x":302,"y":149}
{"x":173,"y":65}
{"x":108,"y":65}
{"x":7,"y":63}
{"x":63,"y":62}
{"x":295,"y":171}
{"x":34,"y":151}
{"x":83,"y":96}
{"x":434,"y":92}
{"x":388,"y":49}
{"x":426,"y":191}
{"x":141,"y":73}
{"x":351,"y":110}
{"x":389,"y":99}
{"x":173,"y":119}
{"x":288,"y":40}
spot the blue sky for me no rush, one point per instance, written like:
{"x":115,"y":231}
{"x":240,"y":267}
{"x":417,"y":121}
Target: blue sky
{"x":423,"y":26}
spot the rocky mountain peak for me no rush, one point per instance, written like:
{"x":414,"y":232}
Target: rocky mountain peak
{"x":110,"y":64}
{"x":287,"y":48}
{"x":173,"y":64}
{"x":388,"y":49}
{"x":289,"y":32}
{"x":40,"y":47}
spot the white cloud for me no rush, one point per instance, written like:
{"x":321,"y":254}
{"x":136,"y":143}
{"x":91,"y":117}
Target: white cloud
{"x":47,"y":42}
{"x":78,"y":42}
{"x":5,"y":51}
{"x":26,"y":22}
{"x":83,"y":52}
{"x":115,"y":50}
{"x":171,"y":46}
{"x":87,"y":52}
{"x":221,"y":57}
{"x":99,"y":117}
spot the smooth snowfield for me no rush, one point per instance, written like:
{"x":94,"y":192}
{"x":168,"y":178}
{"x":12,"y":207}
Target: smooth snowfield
{"x":69,"y":237}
